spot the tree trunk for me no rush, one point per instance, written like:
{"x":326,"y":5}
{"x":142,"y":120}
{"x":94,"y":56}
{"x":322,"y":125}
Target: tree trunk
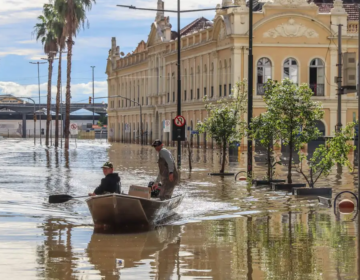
{"x":48,"y":114}
{"x":58,"y":102}
{"x":269,"y":163}
{"x":190,"y":154}
{"x":223,"y":157}
{"x":290,"y":160}
{"x":68,"y":92}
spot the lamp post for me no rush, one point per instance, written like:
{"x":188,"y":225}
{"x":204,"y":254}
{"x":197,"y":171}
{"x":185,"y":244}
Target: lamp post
{"x":250,"y":89}
{"x":38,"y":64}
{"x":358,"y":91}
{"x":93,"y":93}
{"x":178,"y":12}
{"x":141,"y":125}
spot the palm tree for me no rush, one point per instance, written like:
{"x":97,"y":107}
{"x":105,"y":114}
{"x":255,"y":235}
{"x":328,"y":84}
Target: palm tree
{"x":59,"y":31}
{"x":74,"y":14}
{"x":44,"y":31}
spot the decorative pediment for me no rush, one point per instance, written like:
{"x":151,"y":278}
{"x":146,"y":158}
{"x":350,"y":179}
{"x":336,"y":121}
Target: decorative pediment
{"x":291,"y":29}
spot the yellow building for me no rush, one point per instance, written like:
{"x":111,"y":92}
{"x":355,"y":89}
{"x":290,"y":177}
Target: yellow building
{"x":293,"y":39}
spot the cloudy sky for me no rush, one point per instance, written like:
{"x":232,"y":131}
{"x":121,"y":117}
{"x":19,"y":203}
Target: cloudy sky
{"x":18,"y":46}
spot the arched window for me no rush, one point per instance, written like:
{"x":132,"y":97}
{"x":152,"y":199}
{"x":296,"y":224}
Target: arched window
{"x":198,"y":82}
{"x":230,"y":77}
{"x":225,"y":76}
{"x":185,"y":84}
{"x":205,"y":74}
{"x":212,"y":76}
{"x":291,"y":70}
{"x":191,"y":83}
{"x":317,"y":77}
{"x":220,"y":79}
{"x":263,"y":74}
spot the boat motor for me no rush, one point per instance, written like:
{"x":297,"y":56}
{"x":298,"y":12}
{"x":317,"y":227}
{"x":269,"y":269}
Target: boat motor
{"x":156,"y":192}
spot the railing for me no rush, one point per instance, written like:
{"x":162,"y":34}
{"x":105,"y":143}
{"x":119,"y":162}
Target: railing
{"x":318,"y":89}
{"x":352,"y":27}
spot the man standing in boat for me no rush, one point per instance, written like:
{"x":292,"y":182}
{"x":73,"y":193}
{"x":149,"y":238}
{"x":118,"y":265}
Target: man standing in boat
{"x":111,"y":182}
{"x":168,"y":175}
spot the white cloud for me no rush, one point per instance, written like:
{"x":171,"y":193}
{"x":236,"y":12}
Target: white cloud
{"x":79,"y":92}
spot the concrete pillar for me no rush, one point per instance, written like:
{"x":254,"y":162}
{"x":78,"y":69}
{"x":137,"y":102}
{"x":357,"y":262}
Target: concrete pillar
{"x":24,"y":126}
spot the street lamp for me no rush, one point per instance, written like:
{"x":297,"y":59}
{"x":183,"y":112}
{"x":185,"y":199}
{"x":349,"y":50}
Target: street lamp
{"x":93,"y":93}
{"x":141,"y":125}
{"x":38,"y":63}
{"x":178,"y":12}
{"x":250,"y":90}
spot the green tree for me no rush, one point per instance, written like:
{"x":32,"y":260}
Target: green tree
{"x":44,"y":30}
{"x":73,"y":13}
{"x":264,"y":128}
{"x":295,"y":114}
{"x":335,"y":150}
{"x":225,"y":122}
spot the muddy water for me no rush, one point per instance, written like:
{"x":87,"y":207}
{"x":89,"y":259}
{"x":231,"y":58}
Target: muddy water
{"x":222,"y":230}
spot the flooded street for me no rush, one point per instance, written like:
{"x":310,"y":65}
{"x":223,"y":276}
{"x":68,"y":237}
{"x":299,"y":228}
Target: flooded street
{"x":222,"y":230}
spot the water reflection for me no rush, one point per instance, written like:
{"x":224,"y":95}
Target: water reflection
{"x":223,"y":230}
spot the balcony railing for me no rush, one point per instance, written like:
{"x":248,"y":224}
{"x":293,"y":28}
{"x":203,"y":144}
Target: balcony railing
{"x":318,"y":89}
{"x":353,"y":27}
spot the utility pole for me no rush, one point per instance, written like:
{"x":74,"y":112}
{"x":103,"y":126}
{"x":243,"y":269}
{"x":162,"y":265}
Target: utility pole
{"x":38,"y":64}
{"x":179,"y":80}
{"x":250,"y":89}
{"x":93,"y":94}
{"x":339,"y":81}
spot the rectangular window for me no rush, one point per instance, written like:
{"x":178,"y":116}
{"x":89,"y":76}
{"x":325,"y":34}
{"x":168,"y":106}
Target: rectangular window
{"x":147,"y":100}
{"x":198,"y":93}
{"x":212,"y":92}
{"x":191,"y":94}
{"x":204,"y":91}
{"x":142,"y":100}
{"x":174,"y":96}
{"x":185,"y":95}
{"x":224,"y":90}
{"x":168,"y":97}
{"x":219,"y":90}
{"x":122,"y":103}
{"x":118,"y":103}
{"x":229,"y":89}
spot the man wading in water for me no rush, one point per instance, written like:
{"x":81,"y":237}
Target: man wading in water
{"x":168,"y":175}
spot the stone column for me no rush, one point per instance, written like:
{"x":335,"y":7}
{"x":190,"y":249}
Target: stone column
{"x":235,"y":65}
{"x":215,"y":76}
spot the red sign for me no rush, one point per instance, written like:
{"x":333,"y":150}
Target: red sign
{"x":179,"y":121}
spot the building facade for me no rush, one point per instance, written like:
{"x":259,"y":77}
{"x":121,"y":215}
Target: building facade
{"x":294,"y":39}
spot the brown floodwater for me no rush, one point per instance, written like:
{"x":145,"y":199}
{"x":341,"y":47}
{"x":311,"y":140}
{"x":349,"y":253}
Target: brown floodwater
{"x":222,"y":230}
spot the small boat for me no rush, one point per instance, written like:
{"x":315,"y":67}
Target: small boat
{"x":122,"y":210}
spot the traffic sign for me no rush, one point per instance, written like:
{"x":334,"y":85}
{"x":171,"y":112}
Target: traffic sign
{"x":179,"y":121}
{"x":73,"y":129}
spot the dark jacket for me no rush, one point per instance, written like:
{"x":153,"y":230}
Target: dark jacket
{"x":109,"y":184}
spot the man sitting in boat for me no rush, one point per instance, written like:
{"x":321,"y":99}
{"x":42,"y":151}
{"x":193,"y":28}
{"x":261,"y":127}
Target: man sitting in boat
{"x":168,"y":174}
{"x":111,"y":182}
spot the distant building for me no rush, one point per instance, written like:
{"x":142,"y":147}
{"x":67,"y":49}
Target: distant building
{"x":293,"y":39}
{"x":17,"y":116}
